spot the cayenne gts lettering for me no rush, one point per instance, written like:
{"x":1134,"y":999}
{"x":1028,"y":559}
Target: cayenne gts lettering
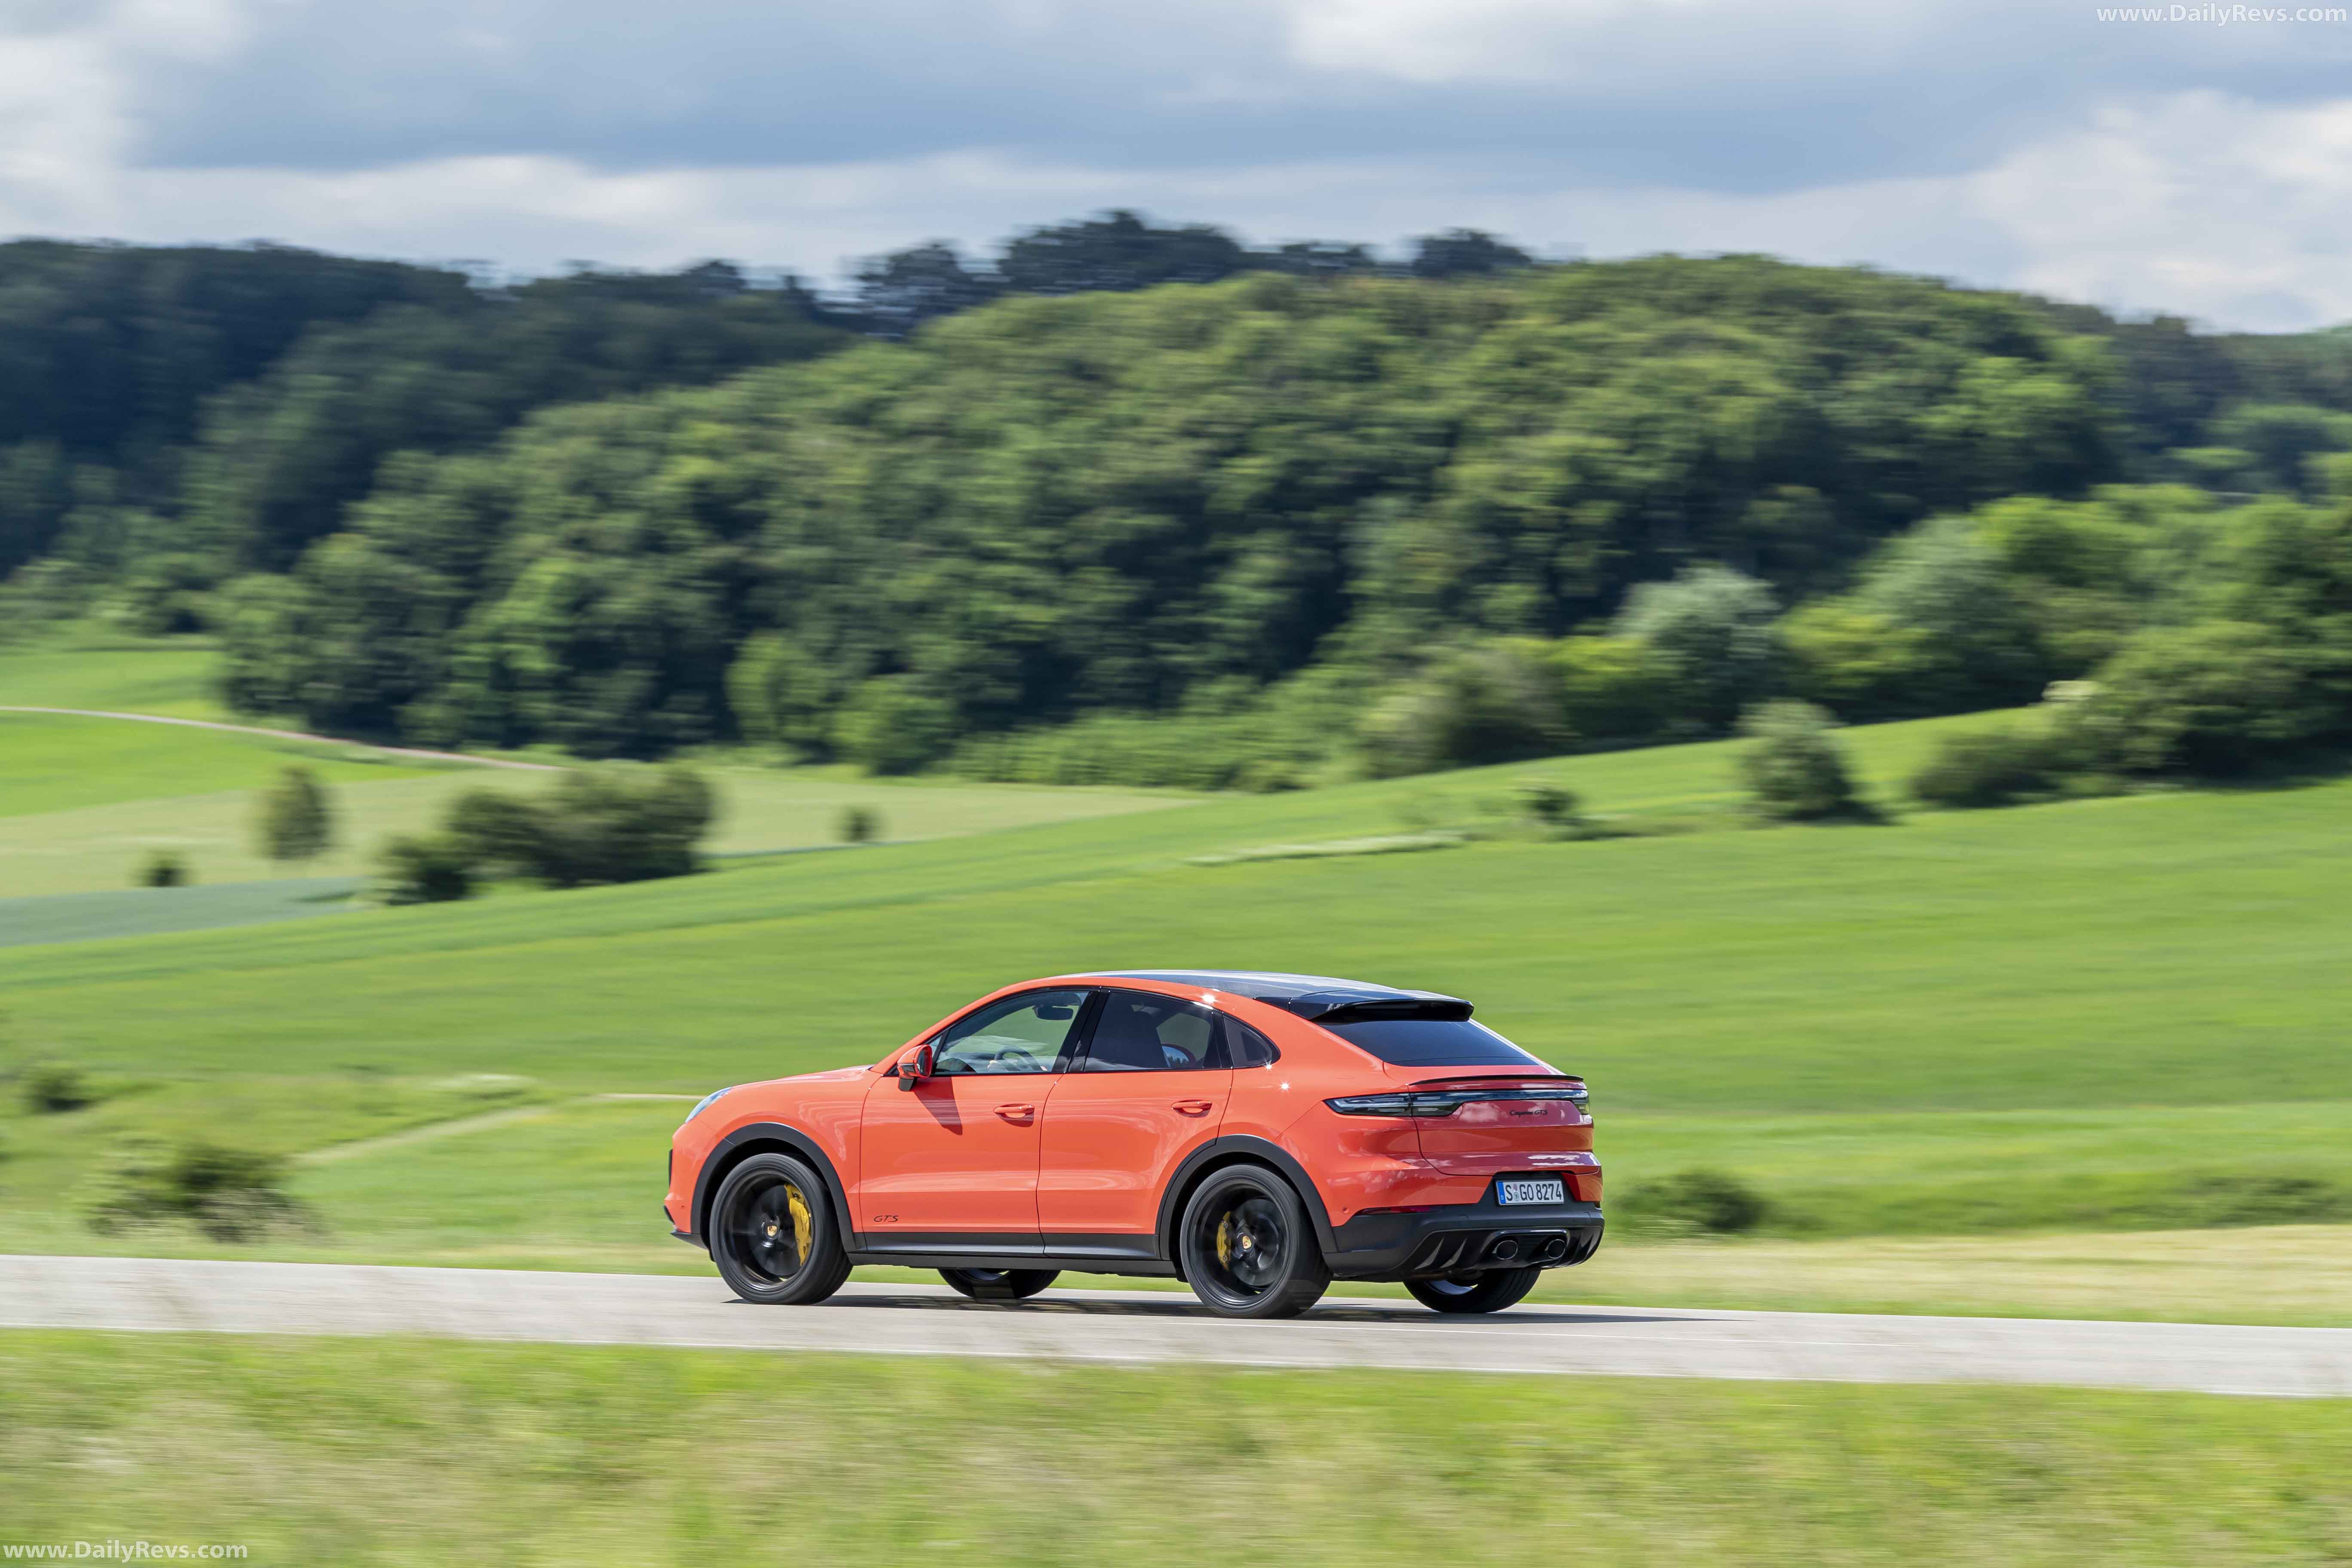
{"x":1137,"y":1122}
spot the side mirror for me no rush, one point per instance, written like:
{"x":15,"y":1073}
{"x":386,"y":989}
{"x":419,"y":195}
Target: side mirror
{"x":915,"y":1068}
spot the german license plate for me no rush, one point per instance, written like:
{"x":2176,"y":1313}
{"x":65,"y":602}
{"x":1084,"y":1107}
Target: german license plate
{"x":1549,"y":1190}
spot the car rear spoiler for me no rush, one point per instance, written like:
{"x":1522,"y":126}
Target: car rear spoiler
{"x":1330,"y":1008}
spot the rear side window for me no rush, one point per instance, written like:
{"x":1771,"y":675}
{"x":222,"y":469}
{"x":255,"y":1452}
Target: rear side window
{"x":1244,"y":1047}
{"x":1433,"y":1043}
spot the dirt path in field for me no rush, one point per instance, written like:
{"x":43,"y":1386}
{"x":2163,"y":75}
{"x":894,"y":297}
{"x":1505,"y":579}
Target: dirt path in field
{"x":458,"y":1126}
{"x":290,"y":735}
{"x":156,"y":1294}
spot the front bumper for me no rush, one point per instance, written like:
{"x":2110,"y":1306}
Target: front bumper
{"x":1464,"y":1238}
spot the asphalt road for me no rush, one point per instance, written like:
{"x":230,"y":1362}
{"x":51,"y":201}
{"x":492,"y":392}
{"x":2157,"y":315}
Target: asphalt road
{"x":155,"y":1294}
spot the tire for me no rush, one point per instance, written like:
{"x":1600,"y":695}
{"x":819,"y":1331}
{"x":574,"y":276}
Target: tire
{"x":999,"y":1284}
{"x":1488,"y":1292}
{"x":1248,"y":1248}
{"x":772,"y":1234}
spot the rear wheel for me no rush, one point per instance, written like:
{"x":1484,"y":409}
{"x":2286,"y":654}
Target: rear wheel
{"x":1248,"y":1248}
{"x":1488,"y":1292}
{"x":999,"y":1284}
{"x":772,"y":1234}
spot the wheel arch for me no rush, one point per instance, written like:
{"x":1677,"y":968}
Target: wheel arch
{"x":1219,"y":1153}
{"x":767,"y":1137}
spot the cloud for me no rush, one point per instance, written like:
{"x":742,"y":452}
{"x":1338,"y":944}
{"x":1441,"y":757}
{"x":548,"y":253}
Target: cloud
{"x":2005,"y":142}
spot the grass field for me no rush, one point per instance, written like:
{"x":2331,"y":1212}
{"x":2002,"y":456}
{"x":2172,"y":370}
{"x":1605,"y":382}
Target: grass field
{"x":2122,"y":1014}
{"x":313,"y":1451}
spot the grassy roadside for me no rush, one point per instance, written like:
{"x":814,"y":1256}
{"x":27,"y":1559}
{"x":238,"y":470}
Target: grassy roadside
{"x":314,"y":1451}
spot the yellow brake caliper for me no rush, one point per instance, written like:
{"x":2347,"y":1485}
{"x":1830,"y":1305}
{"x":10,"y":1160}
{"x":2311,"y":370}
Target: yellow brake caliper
{"x":799,"y":1206}
{"x":1225,"y":1240}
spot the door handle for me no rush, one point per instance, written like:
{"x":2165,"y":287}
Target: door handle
{"x":1196,"y":1107}
{"x":1015,"y":1112}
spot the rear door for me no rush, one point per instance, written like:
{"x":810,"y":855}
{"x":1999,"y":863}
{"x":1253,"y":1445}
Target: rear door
{"x":1148,"y":1085}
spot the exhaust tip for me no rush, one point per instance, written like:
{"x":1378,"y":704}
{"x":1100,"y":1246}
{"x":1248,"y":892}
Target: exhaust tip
{"x":1553,"y":1250}
{"x":1506,"y":1249}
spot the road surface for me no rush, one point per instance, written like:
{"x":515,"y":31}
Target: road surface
{"x":155,"y":1294}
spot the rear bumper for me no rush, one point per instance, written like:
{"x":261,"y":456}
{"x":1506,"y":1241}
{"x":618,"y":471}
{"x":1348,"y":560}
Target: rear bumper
{"x":1464,"y":1238}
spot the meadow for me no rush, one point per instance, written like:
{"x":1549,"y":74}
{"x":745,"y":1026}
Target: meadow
{"x":2098,"y":1018}
{"x":392,"y":1451}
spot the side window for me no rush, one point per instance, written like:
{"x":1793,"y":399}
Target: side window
{"x":1138,"y":1032}
{"x":1244,"y":1047}
{"x":1023,"y":1033}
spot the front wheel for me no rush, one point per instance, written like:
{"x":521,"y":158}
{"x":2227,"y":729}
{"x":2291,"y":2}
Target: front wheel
{"x":772,"y":1234}
{"x":999,"y":1284}
{"x":1248,"y":1248}
{"x":1488,"y":1292}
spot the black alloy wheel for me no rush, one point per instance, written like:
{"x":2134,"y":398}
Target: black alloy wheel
{"x":1489,"y":1291}
{"x":772,"y":1234}
{"x":1248,"y":1248}
{"x":999,"y":1284}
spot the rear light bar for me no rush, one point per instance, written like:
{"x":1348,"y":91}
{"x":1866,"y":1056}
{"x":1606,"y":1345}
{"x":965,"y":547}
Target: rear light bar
{"x":1446,"y":1101}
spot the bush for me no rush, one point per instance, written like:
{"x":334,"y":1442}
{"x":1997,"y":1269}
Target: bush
{"x":592,"y":827}
{"x":893,"y":726}
{"x":1552,"y":808}
{"x":1795,"y":768}
{"x":1991,"y":767}
{"x":229,"y":1194}
{"x":2212,"y":700}
{"x":294,"y":818}
{"x":50,"y":1087}
{"x":428,"y":870}
{"x":859,"y":825}
{"x":165,"y":869}
{"x":1712,"y":1202}
{"x":1490,"y":704}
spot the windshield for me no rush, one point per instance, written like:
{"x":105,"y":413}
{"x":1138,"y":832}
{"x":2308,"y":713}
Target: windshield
{"x":1435,"y":1043}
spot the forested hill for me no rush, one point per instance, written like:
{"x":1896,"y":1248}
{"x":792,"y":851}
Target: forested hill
{"x":1289,"y":505}
{"x":224,"y":405}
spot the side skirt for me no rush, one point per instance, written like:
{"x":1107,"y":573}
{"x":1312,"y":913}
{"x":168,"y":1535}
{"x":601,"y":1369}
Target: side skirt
{"x":1131,"y":1255}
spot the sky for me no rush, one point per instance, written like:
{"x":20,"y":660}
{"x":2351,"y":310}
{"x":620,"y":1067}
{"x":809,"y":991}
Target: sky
{"x":2199,"y":164}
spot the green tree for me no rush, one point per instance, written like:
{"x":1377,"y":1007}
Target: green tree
{"x":294,"y":818}
{"x":1710,"y":634}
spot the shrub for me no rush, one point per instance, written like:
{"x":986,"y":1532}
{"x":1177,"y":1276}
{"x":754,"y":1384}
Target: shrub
{"x":1490,"y":704}
{"x":592,"y":826}
{"x":2212,"y":699}
{"x":50,"y":1087}
{"x":430,"y":868}
{"x":294,"y":819}
{"x":229,"y":1194}
{"x":892,"y":725}
{"x":1551,"y":807}
{"x":1991,"y":767}
{"x":859,"y":825}
{"x":163,"y":869}
{"x":1713,"y":1203}
{"x":1794,"y":766}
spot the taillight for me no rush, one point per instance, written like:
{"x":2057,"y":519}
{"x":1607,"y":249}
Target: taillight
{"x":1446,"y":1101}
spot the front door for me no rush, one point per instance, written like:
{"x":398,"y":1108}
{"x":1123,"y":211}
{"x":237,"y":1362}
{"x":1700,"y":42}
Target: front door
{"x":1150,"y":1086}
{"x":951,"y":1164}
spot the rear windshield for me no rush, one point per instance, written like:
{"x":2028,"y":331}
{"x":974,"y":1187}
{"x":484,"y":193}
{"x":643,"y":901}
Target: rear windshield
{"x":1433,"y":1043}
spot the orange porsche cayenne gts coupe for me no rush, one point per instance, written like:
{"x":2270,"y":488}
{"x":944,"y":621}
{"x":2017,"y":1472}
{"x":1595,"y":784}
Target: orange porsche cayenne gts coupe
{"x":1256,"y":1136}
